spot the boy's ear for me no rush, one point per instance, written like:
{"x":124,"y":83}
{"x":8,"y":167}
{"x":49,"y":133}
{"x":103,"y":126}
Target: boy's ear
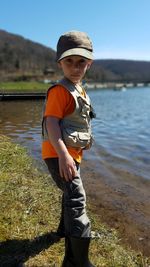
{"x":89,"y":64}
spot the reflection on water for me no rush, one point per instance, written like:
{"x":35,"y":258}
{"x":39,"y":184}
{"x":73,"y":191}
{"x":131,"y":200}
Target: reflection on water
{"x":121,"y":128}
{"x":21,"y":120}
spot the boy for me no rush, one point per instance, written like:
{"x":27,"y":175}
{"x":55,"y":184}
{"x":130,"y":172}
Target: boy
{"x":66,"y":133}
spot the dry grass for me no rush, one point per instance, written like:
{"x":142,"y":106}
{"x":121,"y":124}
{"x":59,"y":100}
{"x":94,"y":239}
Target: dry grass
{"x":30,"y":208}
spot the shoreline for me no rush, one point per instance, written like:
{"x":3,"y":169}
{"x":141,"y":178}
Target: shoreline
{"x":122,"y":203}
{"x":30,"y":213}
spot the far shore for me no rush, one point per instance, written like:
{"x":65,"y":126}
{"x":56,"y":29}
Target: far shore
{"x":37,"y":90}
{"x":43,"y":85}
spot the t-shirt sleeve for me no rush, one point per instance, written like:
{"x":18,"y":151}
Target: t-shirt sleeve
{"x":59,"y":103}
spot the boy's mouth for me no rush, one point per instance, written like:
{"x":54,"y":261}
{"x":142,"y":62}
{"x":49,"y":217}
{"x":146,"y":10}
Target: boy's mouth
{"x":75,"y":75}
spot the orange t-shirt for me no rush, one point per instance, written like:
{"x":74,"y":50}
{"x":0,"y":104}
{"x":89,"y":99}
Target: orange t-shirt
{"x":60,"y":103}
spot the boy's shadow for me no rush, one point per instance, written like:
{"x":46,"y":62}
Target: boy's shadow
{"x":15,"y":252}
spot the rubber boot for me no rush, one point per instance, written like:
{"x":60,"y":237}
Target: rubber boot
{"x":68,"y":259}
{"x":76,"y":252}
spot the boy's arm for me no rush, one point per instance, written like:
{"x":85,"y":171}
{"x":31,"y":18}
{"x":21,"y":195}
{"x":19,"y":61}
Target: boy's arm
{"x":67,"y":167}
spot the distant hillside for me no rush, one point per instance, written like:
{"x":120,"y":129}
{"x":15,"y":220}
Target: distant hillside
{"x":21,"y":58}
{"x":121,"y":70}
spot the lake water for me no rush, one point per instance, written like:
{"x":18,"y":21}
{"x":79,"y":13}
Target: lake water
{"x":121,"y":128}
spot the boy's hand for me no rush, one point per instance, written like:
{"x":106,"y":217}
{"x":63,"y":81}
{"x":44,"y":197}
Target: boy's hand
{"x":67,"y":167}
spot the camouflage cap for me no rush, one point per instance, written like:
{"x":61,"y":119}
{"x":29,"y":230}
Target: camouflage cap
{"x":74,"y":43}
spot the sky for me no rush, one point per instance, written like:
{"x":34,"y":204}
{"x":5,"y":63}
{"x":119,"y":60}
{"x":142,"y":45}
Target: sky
{"x":119,"y":29}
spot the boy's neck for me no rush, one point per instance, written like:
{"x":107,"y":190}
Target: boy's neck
{"x":76,"y":84}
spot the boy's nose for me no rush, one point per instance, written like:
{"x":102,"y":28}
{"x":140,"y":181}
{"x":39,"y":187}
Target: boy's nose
{"x":76,"y":66}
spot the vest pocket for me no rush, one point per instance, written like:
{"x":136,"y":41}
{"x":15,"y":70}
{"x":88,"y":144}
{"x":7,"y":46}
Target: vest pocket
{"x":86,"y":140}
{"x":76,"y":139}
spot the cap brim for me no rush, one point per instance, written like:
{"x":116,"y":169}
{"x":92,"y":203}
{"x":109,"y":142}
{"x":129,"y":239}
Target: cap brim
{"x":76,"y":52}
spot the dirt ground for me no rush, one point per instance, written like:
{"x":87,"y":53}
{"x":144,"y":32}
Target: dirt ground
{"x":122,"y":201}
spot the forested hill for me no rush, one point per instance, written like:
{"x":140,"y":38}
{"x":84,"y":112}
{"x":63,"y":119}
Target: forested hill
{"x":121,"y":70}
{"x":21,"y":58}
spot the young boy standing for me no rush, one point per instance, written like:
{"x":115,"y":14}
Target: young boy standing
{"x":66,"y":133}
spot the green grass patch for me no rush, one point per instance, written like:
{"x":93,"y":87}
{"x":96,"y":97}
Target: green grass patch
{"x":30,"y":210}
{"x":21,"y":87}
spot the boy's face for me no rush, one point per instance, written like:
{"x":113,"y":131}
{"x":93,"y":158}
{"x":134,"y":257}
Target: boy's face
{"x":74,"y":67}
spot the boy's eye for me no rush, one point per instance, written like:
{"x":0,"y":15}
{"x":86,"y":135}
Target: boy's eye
{"x":82,"y":61}
{"x":69,"y":60}
{"x":72,"y":62}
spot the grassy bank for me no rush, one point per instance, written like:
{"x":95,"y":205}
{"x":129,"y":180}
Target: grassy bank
{"x":30,"y":208}
{"x":21,"y":87}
